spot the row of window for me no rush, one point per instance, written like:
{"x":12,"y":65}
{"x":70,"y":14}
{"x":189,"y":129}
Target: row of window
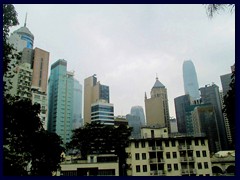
{"x":169,"y":167}
{"x":173,"y":143}
{"x":168,"y":155}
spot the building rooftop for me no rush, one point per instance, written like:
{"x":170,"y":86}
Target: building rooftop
{"x":158,"y":84}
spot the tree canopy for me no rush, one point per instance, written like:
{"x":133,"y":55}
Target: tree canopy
{"x":213,"y":9}
{"x":96,"y":138}
{"x":28,"y":149}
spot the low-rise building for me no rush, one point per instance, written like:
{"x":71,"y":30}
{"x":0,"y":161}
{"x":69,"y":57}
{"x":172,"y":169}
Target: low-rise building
{"x":95,"y":165}
{"x":223,"y":163}
{"x":158,"y":154}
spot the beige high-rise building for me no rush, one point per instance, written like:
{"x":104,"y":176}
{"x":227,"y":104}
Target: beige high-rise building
{"x":156,"y":107}
{"x":93,"y":92}
{"x":40,"y":69}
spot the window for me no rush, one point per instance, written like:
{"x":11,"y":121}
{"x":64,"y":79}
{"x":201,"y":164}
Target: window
{"x":144,"y":156}
{"x":174,"y":154}
{"x":169,"y":167}
{"x":152,"y":133}
{"x":206,"y":165}
{"x":196,"y":142}
{"x":175,"y":167}
{"x":199,"y":165}
{"x":202,"y":142}
{"x":173,"y":143}
{"x":198,"y":153}
{"x":168,"y":155}
{"x":136,"y":145}
{"x":143,"y":144}
{"x":204,"y":153}
{"x":137,"y":157}
{"x":137,"y":168}
{"x":167,"y":143}
{"x":144,"y":168}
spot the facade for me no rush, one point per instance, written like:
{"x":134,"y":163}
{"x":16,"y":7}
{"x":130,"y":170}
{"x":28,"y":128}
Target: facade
{"x":138,"y":111}
{"x":173,"y":125}
{"x":210,"y":94}
{"x":118,"y":120}
{"x":95,"y":165}
{"x":93,"y":92}
{"x":225,"y":81}
{"x":34,"y":63}
{"x":77,"y":105}
{"x":228,"y":131}
{"x":181,"y":104}
{"x":21,"y":81}
{"x":190,"y":80}
{"x":204,"y":121}
{"x":223,"y":163}
{"x":102,"y":112}
{"x":135,"y":123}
{"x":169,"y":156}
{"x":60,"y":100}
{"x":156,"y":107}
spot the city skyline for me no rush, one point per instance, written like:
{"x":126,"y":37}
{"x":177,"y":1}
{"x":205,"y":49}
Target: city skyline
{"x":127,"y":45}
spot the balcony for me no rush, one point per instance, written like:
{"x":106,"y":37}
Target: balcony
{"x":187,"y":159}
{"x":189,"y":171}
{"x":156,"y":161}
{"x":157,"y":173}
{"x":157,"y":148}
{"x":185,"y":148}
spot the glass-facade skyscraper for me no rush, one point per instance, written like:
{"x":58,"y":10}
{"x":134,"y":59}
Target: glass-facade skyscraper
{"x":138,"y":111}
{"x":190,"y":81}
{"x":60,"y":100}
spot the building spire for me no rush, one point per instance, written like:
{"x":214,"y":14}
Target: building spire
{"x":156,"y":76}
{"x":25,"y":23}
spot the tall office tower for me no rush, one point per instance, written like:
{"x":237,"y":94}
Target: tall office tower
{"x":190,"y":80}
{"x":210,"y":94}
{"x":157,"y":113}
{"x":181,"y":104}
{"x":134,"y":122}
{"x":33,"y":83}
{"x":138,"y":111}
{"x":102,"y":112}
{"x":225,"y":81}
{"x":60,"y":100}
{"x":93,"y":92}
{"x":22,"y":38}
{"x":77,"y":105}
{"x":204,"y":121}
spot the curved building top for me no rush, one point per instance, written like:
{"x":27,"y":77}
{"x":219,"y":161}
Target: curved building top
{"x":24,"y":31}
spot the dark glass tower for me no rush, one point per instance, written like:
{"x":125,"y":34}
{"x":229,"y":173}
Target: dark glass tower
{"x":190,"y":80}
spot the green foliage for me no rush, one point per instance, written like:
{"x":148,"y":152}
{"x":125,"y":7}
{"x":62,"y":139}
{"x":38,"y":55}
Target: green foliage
{"x":25,"y":142}
{"x":9,"y":20}
{"x":212,"y":9}
{"x":230,"y":108}
{"x":96,"y":138}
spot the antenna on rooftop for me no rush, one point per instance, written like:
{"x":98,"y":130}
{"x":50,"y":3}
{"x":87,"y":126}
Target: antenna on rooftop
{"x":25,"y":23}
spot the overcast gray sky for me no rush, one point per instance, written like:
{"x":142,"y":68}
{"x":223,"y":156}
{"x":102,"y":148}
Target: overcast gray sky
{"x":127,"y":45}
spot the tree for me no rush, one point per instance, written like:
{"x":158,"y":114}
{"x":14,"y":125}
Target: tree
{"x":96,"y":138}
{"x":9,"y":20}
{"x":212,"y":9}
{"x":230,"y":108}
{"x":25,"y":142}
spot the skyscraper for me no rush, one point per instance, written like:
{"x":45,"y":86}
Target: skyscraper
{"x":31,"y":73}
{"x":95,"y":94}
{"x":77,"y":105}
{"x":181,"y":104}
{"x":138,"y":111}
{"x":134,"y":122}
{"x":190,"y":80}
{"x":60,"y":100}
{"x":210,"y":94}
{"x":157,"y":112}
